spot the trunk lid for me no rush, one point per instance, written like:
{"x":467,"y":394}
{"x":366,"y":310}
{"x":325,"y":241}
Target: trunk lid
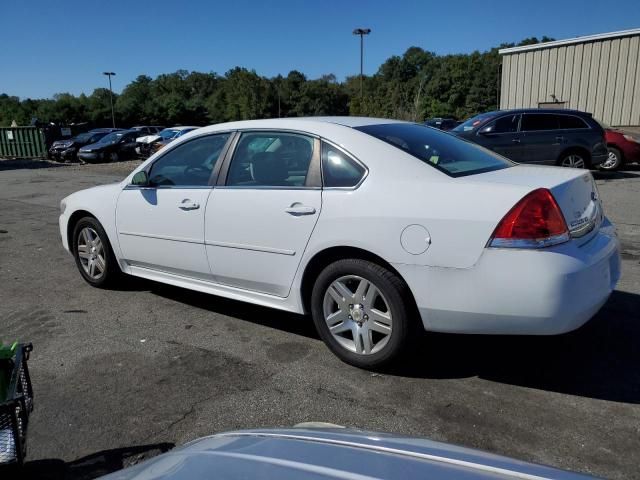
{"x":574,"y":189}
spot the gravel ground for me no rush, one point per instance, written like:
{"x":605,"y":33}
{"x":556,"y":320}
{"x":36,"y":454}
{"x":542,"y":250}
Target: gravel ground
{"x":120,"y":375}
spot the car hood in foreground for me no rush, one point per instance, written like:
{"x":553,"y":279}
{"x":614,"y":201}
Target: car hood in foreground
{"x":329,"y":453}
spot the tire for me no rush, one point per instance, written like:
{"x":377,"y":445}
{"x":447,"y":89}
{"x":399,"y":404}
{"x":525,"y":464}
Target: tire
{"x":102,"y":258}
{"x":113,"y":157}
{"x":357,"y":339}
{"x":613,"y":161}
{"x":574,"y":159}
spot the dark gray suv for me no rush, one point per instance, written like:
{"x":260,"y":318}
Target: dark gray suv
{"x":569,"y":138}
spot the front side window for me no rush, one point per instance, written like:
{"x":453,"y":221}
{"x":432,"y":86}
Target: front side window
{"x":533,"y":122}
{"x":338,"y":169}
{"x":189,"y":164}
{"x":271,"y":159}
{"x":443,"y":151}
{"x":506,"y":124}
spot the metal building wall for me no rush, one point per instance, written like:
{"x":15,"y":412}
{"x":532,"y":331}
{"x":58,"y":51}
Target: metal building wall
{"x":601,"y":77}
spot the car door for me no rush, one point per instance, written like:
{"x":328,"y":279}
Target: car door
{"x":161,"y":226}
{"x":503,"y":136}
{"x":544,"y":139}
{"x":127,"y":145}
{"x":262,"y":212}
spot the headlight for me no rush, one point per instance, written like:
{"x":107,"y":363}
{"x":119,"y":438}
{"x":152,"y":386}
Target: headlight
{"x":63,"y":205}
{"x":631,"y":138}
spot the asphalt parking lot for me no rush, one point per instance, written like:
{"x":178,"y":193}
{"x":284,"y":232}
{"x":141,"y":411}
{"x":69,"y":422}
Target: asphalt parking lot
{"x":120,"y":375}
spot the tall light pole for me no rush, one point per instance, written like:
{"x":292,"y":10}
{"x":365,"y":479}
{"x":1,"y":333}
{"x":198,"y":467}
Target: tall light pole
{"x":113,"y":117}
{"x":362,"y":32}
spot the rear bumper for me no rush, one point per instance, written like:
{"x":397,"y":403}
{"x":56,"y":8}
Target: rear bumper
{"x":524,"y":292}
{"x":598,"y":159}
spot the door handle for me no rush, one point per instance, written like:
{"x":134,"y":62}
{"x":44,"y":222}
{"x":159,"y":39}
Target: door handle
{"x":187,"y":204}
{"x":559,"y":139}
{"x":297,"y":209}
{"x":516,"y":140}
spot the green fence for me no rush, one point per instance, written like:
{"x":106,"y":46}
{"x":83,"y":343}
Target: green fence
{"x":22,"y":142}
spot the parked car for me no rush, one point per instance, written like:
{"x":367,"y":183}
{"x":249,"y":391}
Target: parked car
{"x":624,"y":147}
{"x":378,"y":228}
{"x":110,"y":148}
{"x":568,"y":138}
{"x":144,"y":147}
{"x":67,"y":150}
{"x":143,"y":130}
{"x":330,"y":453}
{"x":442,"y":123}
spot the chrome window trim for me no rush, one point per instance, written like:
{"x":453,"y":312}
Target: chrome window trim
{"x":352,"y":157}
{"x":265,"y":187}
{"x":587,"y":127}
{"x":147,"y":168}
{"x":168,"y":187}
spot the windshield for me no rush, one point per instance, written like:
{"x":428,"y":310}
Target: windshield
{"x":447,"y":153}
{"x":168,"y":133}
{"x":474,"y":122}
{"x":83,"y":137}
{"x":112,"y":137}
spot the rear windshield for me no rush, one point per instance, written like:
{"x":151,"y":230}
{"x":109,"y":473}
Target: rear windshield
{"x":474,"y":122}
{"x":447,"y":153}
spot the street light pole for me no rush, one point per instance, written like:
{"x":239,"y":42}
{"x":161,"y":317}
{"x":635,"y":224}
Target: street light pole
{"x":113,"y":117}
{"x":362,"y":32}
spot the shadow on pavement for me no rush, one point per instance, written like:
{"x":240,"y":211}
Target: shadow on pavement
{"x":85,"y":468}
{"x":27,"y":163}
{"x":600,"y":360}
{"x":629,"y":171}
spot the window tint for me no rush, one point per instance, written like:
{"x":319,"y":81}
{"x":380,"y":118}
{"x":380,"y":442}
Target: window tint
{"x":271,"y":159}
{"x":338,"y":169}
{"x":571,"y":121}
{"x":443,"y":151}
{"x":189,"y":164}
{"x":532,"y":122}
{"x":506,"y":124}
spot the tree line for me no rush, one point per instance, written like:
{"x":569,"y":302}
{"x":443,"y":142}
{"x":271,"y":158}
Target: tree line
{"x":416,"y":85}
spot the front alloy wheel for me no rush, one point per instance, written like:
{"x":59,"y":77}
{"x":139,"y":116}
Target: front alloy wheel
{"x":613,"y":161}
{"x":93,"y":254}
{"x":362,"y":312}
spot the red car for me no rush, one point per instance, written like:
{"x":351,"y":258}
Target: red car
{"x":624,"y":147}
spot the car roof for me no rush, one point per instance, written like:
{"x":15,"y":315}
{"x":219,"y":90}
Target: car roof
{"x":333,"y":453}
{"x":180,"y":128}
{"x":540,"y":110}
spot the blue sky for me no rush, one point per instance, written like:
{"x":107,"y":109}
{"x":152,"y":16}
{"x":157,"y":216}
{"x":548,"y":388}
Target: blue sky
{"x":63,"y":46}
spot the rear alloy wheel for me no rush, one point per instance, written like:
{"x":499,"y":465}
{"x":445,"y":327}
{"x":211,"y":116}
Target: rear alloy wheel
{"x":93,"y":254}
{"x":360,"y":311}
{"x":573,"y":160}
{"x":613,"y":161}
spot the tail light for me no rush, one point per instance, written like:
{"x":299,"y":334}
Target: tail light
{"x":536,"y":221}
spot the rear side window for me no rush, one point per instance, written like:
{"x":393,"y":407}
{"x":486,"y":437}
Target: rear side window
{"x":532,"y":122}
{"x":271,"y":159}
{"x":338,"y":169}
{"x":571,"y":122}
{"x":443,"y":151}
{"x":506,"y":124}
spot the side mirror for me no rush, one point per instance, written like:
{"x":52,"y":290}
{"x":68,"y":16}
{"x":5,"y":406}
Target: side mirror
{"x":141,"y":179}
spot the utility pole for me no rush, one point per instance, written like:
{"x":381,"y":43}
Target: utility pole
{"x":113,"y":117}
{"x":362,"y":32}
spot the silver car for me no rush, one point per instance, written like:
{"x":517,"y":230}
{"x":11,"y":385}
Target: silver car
{"x":330,"y":453}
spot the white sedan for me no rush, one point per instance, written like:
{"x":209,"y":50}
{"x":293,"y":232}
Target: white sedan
{"x":375,"y":227}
